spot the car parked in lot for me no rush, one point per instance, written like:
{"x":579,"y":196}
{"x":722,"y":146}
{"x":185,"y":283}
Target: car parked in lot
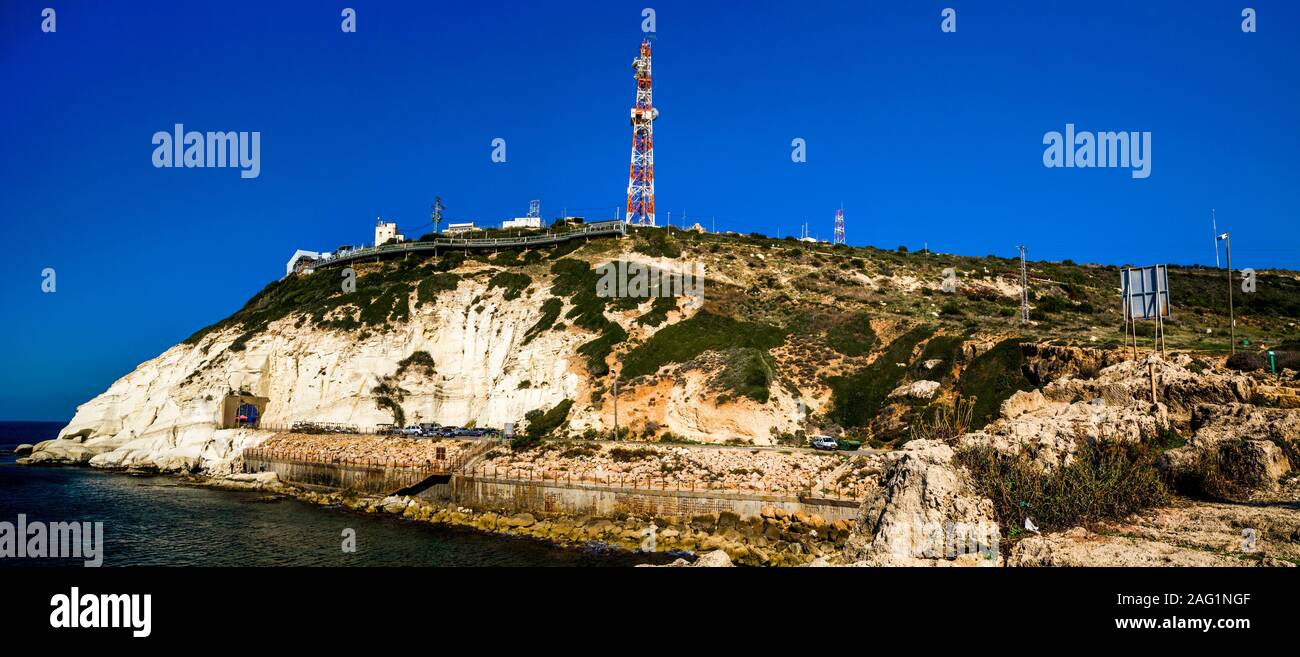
{"x":825,"y":442}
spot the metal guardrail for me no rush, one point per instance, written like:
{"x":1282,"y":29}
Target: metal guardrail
{"x":617,"y":227}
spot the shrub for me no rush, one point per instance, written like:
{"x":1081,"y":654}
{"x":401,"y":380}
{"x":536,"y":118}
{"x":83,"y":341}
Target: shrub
{"x":658,"y":313}
{"x":948,"y":422}
{"x":655,"y":243}
{"x":1226,"y":471}
{"x":550,"y":312}
{"x":748,"y":373}
{"x":1246,"y":361}
{"x":541,"y":425}
{"x":390,"y":396}
{"x":514,"y":283}
{"x":857,"y":397}
{"x":1104,"y":481}
{"x":627,"y":454}
{"x":420,"y":360}
{"x":431,"y":286}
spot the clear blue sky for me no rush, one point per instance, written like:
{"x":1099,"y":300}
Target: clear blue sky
{"x":923,"y":136}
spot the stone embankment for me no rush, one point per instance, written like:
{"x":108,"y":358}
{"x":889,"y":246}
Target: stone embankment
{"x":765,"y":471}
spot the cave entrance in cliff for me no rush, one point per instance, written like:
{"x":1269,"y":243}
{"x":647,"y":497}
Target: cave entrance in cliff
{"x":242,"y":411}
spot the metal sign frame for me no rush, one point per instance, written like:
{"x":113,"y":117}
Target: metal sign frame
{"x":1145,"y":292}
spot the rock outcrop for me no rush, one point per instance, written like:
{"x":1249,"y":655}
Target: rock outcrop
{"x":1238,"y":450}
{"x":925,"y":514}
{"x":1180,"y":389}
{"x":1046,"y":363}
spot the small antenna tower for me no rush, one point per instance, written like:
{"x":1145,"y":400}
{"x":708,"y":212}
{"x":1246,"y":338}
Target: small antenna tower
{"x":1024,"y":287}
{"x":839,"y":226}
{"x":535,"y":208}
{"x":436,"y":215}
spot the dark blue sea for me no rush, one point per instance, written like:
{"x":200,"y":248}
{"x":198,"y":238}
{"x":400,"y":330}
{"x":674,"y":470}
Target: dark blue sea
{"x":161,"y":521}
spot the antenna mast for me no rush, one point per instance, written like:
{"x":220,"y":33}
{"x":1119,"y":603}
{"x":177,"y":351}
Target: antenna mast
{"x":641,"y":173}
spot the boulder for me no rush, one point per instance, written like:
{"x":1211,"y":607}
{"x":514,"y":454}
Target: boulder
{"x":916,"y":390}
{"x":23,"y":450}
{"x":1022,"y":402}
{"x":394,"y":504}
{"x":714,"y":559}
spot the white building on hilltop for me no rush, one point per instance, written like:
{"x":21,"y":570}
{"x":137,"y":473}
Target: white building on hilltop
{"x":386,"y":231}
{"x":303,"y":260}
{"x":522,"y":222}
{"x":456,"y":229}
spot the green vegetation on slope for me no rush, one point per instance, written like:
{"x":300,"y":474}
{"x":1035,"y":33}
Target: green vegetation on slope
{"x":992,"y":377}
{"x":514,"y":283}
{"x":749,"y":372}
{"x":689,"y":338}
{"x":550,"y":312}
{"x":856,"y":398}
{"x":852,"y":335}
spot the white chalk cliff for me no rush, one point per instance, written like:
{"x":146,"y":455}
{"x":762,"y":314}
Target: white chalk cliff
{"x":167,"y":413}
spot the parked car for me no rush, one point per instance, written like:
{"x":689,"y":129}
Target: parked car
{"x":825,"y":442}
{"x":411,"y":430}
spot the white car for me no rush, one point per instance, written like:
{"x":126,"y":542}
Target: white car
{"x":825,"y":442}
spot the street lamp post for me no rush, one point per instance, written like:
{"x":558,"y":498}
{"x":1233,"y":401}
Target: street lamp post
{"x":1232,"y":321}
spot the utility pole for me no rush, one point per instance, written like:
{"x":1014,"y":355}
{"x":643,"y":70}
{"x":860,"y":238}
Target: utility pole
{"x":436,"y":216}
{"x":1024,"y":287}
{"x":1214,"y":222}
{"x":1232,"y":319}
{"x":615,"y":406}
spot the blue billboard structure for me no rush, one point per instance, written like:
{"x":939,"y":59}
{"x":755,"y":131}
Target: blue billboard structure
{"x":1145,"y":295}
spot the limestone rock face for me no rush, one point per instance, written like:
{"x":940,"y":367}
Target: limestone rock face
{"x":1046,"y":363}
{"x":926,"y":513}
{"x":167,"y":413}
{"x":1177,"y":387}
{"x":1022,"y":402}
{"x":1052,"y":431}
{"x":1217,"y":421}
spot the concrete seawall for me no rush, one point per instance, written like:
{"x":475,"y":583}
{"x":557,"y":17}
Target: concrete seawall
{"x":579,"y":499}
{"x":366,"y":479}
{"x":753,"y":528}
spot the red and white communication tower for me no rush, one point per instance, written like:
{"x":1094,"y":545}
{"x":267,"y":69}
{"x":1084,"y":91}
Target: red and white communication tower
{"x":839,"y":226}
{"x":641,"y":174}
